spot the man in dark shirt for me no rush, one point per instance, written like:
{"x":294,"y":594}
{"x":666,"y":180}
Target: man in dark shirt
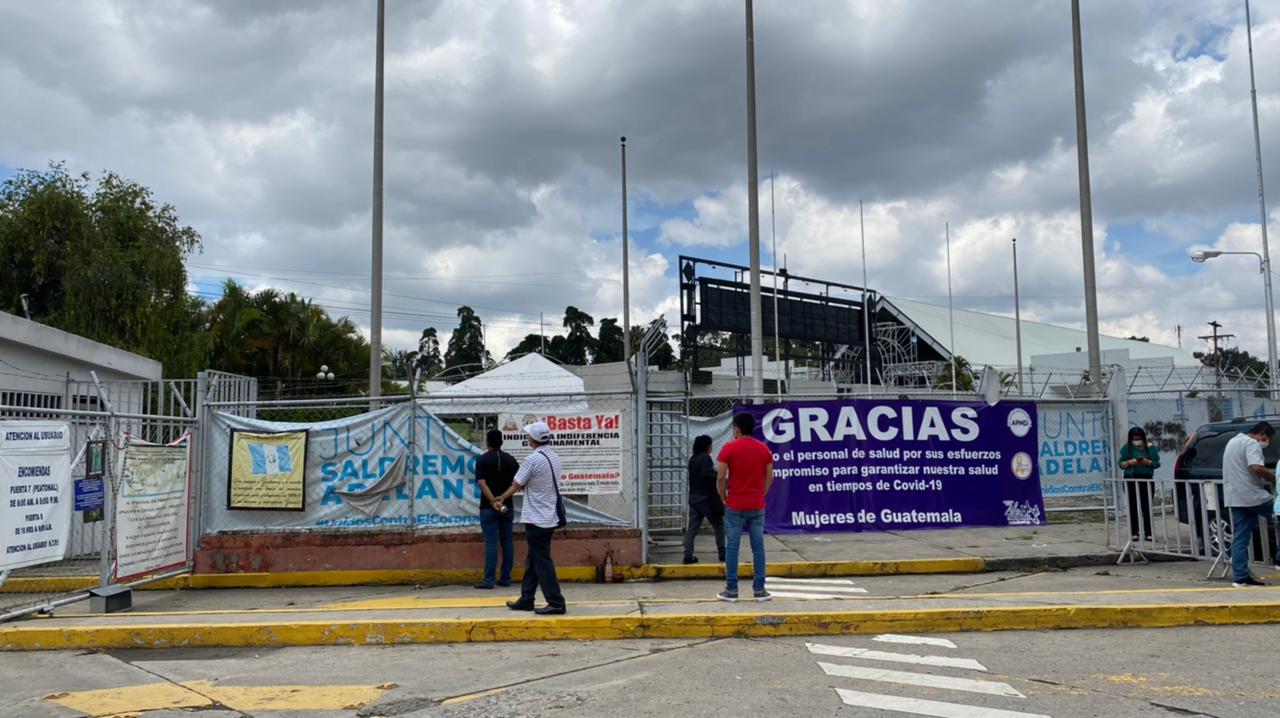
{"x":704,"y":499}
{"x":495,"y":470}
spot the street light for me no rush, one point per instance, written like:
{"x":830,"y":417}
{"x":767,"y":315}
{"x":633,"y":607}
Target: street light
{"x":1264,"y":266}
{"x":324,"y":373}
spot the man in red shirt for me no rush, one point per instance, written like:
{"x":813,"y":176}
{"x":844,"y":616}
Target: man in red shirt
{"x":743,"y":477}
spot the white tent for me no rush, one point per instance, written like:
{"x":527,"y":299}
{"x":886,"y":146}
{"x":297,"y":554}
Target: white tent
{"x":531,"y":384}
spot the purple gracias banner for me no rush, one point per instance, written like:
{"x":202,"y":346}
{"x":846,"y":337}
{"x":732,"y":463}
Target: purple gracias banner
{"x":879,"y":465}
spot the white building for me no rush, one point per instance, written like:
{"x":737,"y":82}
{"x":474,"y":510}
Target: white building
{"x":48,"y":368}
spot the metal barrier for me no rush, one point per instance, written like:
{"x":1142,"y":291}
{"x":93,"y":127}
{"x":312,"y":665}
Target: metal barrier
{"x":89,"y":558}
{"x":1184,"y":519}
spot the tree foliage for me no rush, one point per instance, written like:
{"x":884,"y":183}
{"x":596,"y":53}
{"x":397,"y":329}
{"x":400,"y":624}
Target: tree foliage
{"x":268,"y":334}
{"x":1234,"y":361}
{"x":608,"y":342}
{"x":578,"y":344}
{"x":965,"y":378}
{"x":428,"y":360}
{"x":466,"y":344}
{"x":103,"y":260}
{"x":662,"y":356}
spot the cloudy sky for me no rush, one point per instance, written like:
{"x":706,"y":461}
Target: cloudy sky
{"x":502,"y":122}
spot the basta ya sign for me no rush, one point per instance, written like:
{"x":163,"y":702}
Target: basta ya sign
{"x":879,"y":465}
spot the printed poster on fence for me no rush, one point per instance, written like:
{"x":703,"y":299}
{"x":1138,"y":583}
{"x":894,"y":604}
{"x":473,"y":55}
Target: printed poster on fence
{"x":590,"y":446}
{"x":268,"y":471}
{"x":35,"y":492}
{"x":151,"y":508}
{"x":877,"y":465}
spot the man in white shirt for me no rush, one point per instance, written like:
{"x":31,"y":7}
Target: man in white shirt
{"x":1249,"y":492}
{"x":542,"y":514}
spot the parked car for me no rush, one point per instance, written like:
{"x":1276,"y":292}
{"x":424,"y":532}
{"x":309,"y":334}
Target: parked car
{"x":1201,"y":461}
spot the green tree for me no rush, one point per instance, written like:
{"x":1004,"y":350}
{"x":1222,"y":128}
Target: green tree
{"x":466,"y":345}
{"x":662,"y":356}
{"x":578,"y":342}
{"x":285,"y":338}
{"x":608,"y":342}
{"x":428,"y":360}
{"x":966,"y":380}
{"x":531,"y":344}
{"x":101,"y":260}
{"x":1235,"y":362}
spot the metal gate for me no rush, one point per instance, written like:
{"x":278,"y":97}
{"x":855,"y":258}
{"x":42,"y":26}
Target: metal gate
{"x":667,"y":455}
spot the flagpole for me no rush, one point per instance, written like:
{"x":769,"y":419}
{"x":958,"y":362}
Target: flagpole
{"x":866,"y":310}
{"x":951,"y":314}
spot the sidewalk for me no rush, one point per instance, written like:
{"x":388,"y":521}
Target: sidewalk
{"x":1157,"y":595}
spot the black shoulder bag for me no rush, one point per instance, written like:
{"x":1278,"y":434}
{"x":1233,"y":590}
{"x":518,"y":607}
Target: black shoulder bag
{"x":561,"y":520}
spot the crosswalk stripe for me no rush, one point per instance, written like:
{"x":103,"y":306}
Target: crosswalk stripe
{"x":816,"y":589}
{"x":971,"y":685}
{"x":831,"y":581}
{"x":914,"y":640}
{"x":810,"y":596}
{"x":920,"y":706}
{"x":887,"y":656}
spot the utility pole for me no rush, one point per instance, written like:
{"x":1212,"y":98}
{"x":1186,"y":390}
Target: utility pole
{"x":626,"y":264}
{"x":1086,"y":207}
{"x":1262,"y":209}
{"x":753,"y":216}
{"x":1215,"y":337}
{"x":375,"y":305}
{"x":1017,"y":315}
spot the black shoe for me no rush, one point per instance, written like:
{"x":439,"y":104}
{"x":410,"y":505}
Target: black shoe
{"x":518,"y":606}
{"x":1251,"y":581}
{"x":550,"y":611}
{"x":690,"y":559}
{"x":504,"y":584}
{"x":483,"y":585}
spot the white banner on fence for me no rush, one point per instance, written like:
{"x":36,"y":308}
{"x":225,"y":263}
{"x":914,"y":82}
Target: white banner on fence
{"x":35,"y":492}
{"x":390,"y":468}
{"x":152,"y":508}
{"x":589,"y":444}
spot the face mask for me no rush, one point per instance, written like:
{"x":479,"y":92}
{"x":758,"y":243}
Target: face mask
{"x":1138,"y":443}
{"x":1265,"y":443}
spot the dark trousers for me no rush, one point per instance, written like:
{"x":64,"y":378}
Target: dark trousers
{"x":1139,"y":493}
{"x":539,"y":569}
{"x":699,"y":510}
{"x":1244,"y":519}
{"x":496,"y":526}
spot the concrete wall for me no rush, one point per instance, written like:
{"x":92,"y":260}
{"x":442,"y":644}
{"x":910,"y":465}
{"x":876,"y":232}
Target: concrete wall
{"x":37,"y":358}
{"x":258,"y":553}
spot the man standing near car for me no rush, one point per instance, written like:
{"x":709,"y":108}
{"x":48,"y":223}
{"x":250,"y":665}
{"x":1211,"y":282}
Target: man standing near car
{"x":495,"y":469}
{"x":542,"y":513}
{"x":1249,"y":492}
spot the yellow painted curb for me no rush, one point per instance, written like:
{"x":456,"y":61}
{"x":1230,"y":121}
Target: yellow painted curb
{"x":708,"y":625}
{"x":568,"y":574}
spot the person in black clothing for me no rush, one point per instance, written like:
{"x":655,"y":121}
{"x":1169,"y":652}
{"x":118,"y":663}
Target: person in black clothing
{"x":495,"y":470}
{"x":704,"y":499}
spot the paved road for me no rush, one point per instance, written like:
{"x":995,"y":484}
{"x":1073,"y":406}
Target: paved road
{"x":1225,"y":672}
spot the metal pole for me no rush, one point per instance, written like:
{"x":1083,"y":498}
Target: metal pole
{"x":773,"y":253}
{"x":1017,"y":315}
{"x":375,"y":307}
{"x":951,"y":316}
{"x":753,"y":215}
{"x":1262,"y":209}
{"x":866,"y":310}
{"x":626,"y":266}
{"x":1086,"y":207}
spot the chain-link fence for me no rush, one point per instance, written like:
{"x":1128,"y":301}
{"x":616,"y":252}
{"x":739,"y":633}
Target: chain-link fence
{"x":355,"y":447}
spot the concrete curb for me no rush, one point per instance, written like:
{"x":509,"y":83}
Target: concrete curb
{"x":712,"y":625}
{"x":568,"y":574}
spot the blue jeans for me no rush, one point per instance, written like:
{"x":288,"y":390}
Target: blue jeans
{"x":1244,"y":519}
{"x":734,"y":522}
{"x":497,"y":527}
